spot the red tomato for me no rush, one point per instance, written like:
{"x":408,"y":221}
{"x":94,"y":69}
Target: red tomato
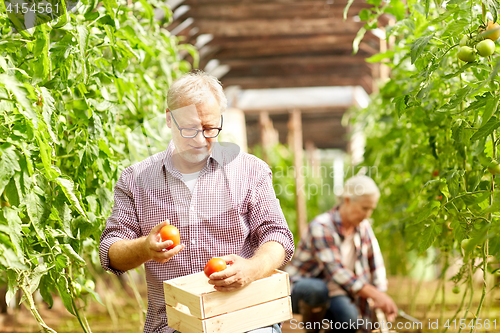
{"x":170,"y":232}
{"x":214,"y":265}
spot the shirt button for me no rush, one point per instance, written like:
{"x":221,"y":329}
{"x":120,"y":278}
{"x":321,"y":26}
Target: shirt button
{"x":191,"y":208}
{"x":193,"y":241}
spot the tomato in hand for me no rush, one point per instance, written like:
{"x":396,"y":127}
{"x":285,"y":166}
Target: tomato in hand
{"x":214,"y":265}
{"x":170,"y":232}
{"x":485,"y":48}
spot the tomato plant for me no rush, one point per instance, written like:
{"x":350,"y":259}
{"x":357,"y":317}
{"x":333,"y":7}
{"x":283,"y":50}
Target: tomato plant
{"x":214,"y":265}
{"x":170,"y":232}
{"x":437,"y":112}
{"x":71,"y":93}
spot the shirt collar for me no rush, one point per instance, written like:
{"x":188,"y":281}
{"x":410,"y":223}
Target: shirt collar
{"x":337,"y":222}
{"x":221,"y":153}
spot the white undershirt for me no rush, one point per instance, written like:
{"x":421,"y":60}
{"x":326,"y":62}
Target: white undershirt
{"x":190,"y":179}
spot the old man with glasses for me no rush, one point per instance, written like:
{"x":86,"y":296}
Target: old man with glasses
{"x":221,"y":199}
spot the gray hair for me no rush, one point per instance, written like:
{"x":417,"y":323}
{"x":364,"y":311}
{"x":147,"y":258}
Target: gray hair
{"x":358,"y":186}
{"x":195,"y":88}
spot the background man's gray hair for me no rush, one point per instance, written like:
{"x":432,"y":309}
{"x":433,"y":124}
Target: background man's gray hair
{"x":358,"y":186}
{"x":195,"y":88}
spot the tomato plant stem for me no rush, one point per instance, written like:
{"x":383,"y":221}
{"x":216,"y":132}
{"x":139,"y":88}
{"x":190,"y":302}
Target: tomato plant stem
{"x":460,"y":307}
{"x":471,"y":287}
{"x":137,"y":296}
{"x":33,"y":310}
{"x":483,"y":294}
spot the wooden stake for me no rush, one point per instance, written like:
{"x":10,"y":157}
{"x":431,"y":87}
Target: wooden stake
{"x":295,"y":141}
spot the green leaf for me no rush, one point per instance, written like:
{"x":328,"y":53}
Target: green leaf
{"x":457,"y":98}
{"x":10,"y":259}
{"x":427,"y":6}
{"x":65,"y":216}
{"x":46,"y":287}
{"x":46,"y":155}
{"x":48,"y":109}
{"x":14,"y":223}
{"x":110,"y":5}
{"x":63,"y":16}
{"x":491,"y":108}
{"x":493,"y":7}
{"x":148,"y":11}
{"x":70,"y":252}
{"x":429,"y":235}
{"x":380,"y":56}
{"x":42,"y":42}
{"x":36,"y":207}
{"x":63,"y":289}
{"x":34,"y":278}
{"x":20,"y":93}
{"x":401,"y":104}
{"x":8,"y":164}
{"x":474,"y":198}
{"x":495,"y":206}
{"x":83,"y":40}
{"x":418,"y":47}
{"x":486,"y":129}
{"x":453,"y":183}
{"x":68,"y":188}
{"x":62,"y":261}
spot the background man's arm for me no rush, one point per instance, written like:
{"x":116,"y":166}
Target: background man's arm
{"x":381,"y":300}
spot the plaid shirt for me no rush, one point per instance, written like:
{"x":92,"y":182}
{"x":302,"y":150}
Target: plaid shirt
{"x":318,"y":256}
{"x":233,"y":210}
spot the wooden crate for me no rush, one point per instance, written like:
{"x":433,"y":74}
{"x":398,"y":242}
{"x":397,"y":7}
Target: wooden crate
{"x":194,"y":306}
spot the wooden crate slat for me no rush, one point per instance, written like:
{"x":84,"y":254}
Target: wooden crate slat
{"x":240,"y":321}
{"x":174,"y":295}
{"x":183,"y":322}
{"x":260,"y":291}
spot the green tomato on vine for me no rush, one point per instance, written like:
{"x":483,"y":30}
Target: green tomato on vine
{"x":485,"y":48}
{"x":467,"y":54}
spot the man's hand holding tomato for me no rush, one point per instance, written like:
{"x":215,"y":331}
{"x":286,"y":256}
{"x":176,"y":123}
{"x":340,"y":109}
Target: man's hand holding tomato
{"x":129,"y":254}
{"x":157,"y":249}
{"x":242,"y":272}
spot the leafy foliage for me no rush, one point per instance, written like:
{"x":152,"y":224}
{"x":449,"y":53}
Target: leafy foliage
{"x":432,"y":132}
{"x":71,"y":93}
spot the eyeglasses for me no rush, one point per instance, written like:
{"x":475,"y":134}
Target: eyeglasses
{"x":208,"y":133}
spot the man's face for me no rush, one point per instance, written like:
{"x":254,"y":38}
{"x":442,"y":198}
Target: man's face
{"x":193,"y":151}
{"x":360,"y":208}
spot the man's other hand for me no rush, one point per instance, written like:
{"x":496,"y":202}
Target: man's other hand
{"x":238,"y":274}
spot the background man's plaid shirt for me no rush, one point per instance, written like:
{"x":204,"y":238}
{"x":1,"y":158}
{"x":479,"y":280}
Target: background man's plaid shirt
{"x":318,"y":256}
{"x":233,"y":209}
